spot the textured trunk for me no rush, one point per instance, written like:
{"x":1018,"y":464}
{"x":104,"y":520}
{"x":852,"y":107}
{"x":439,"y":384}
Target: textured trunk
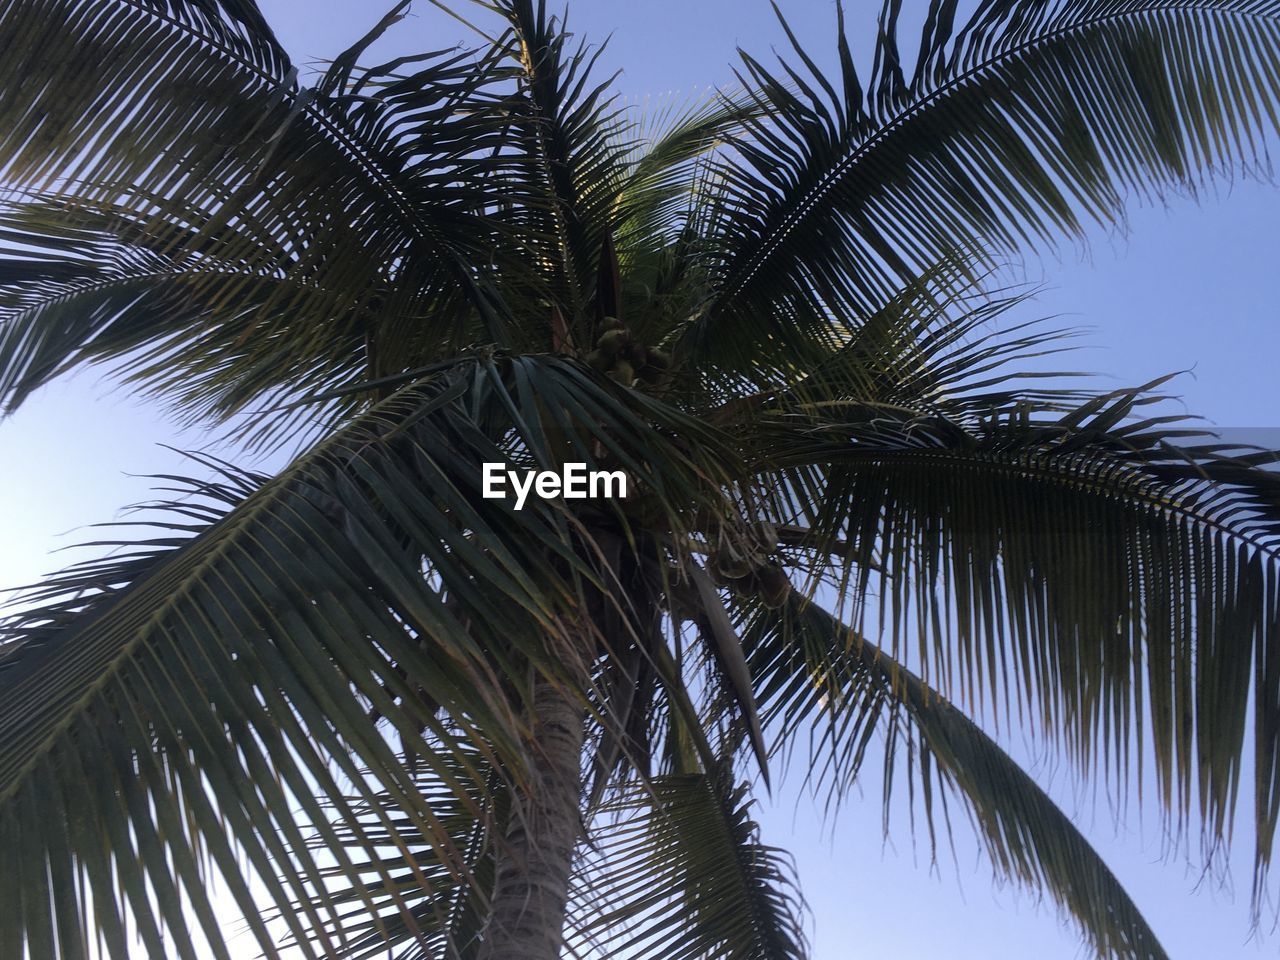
{"x":532,"y":881}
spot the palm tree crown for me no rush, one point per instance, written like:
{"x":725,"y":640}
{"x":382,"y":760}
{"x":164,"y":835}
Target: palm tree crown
{"x":389,"y":713}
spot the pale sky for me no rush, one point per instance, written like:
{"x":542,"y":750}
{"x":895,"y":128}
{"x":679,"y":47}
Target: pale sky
{"x":1189,"y":287}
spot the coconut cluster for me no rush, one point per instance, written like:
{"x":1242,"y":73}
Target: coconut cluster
{"x":747,"y":565}
{"x":620,"y":357}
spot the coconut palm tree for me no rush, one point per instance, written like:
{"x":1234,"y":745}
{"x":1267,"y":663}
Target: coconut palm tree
{"x":387,"y":713}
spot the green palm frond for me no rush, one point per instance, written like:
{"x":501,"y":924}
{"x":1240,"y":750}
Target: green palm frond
{"x":331,"y":207}
{"x":361,"y":690}
{"x":424,"y":906}
{"x":259,"y":638}
{"x":72,"y":61}
{"x":682,"y":856}
{"x":1011,"y":126}
{"x":664,"y":167}
{"x":945,"y":344}
{"x":96,"y":286}
{"x":294,"y":585}
{"x":826,"y":680}
{"x":1060,"y":570}
{"x":569,"y":146}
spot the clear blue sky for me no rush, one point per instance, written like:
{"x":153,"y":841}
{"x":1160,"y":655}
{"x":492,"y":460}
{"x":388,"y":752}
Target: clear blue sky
{"x":1187,"y":287}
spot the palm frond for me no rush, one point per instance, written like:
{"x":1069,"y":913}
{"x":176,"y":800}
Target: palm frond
{"x":1078,"y":572}
{"x":681,"y":857}
{"x":1013,"y":125}
{"x":446,"y":906}
{"x":361,"y":578}
{"x":332,"y":206}
{"x":568,"y":146}
{"x":672,"y":147}
{"x":258,"y":645}
{"x":826,"y":680}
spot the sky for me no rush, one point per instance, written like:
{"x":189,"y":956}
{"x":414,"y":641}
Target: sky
{"x":1185,"y":286}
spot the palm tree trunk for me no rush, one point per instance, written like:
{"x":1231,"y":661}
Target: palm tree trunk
{"x":531,"y":886}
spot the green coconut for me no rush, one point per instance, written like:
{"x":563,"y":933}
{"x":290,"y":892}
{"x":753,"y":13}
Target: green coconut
{"x":623,"y":373}
{"x":613,"y":342}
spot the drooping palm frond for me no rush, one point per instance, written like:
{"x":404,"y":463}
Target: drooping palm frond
{"x":825,"y":681}
{"x":343,"y":208}
{"x":1076,"y":571}
{"x":128,"y":69}
{"x":424,"y":905}
{"x":681,"y":857}
{"x":362,"y":578}
{"x":208,"y":332}
{"x":177,"y":664}
{"x":1013,"y":125}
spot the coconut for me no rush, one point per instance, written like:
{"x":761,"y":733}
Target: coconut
{"x":730,"y":565}
{"x":774,"y":584}
{"x":623,"y":373}
{"x":658,"y":358}
{"x":766,"y":534}
{"x":613,"y":342}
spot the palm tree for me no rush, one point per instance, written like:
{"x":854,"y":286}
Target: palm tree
{"x":390,"y":715}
